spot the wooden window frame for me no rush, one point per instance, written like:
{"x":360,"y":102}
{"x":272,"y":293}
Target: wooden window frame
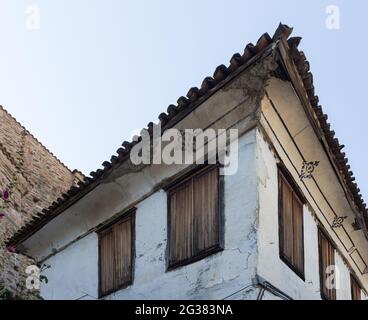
{"x":284,"y":174}
{"x":354,"y":281}
{"x":180,"y":183}
{"x":129,"y":215}
{"x":322,"y":232}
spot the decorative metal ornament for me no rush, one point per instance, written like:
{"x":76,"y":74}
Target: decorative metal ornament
{"x":308,"y":169}
{"x":338,"y":221}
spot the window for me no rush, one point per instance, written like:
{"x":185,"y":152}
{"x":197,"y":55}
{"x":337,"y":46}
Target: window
{"x":194,"y":229}
{"x":326,"y":261}
{"x":291,"y":225}
{"x":355,"y":289}
{"x":116,"y":249}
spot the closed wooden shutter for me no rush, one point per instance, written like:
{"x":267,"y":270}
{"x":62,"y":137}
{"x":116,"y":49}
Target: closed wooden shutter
{"x":355,"y":289}
{"x":291,"y":226}
{"x":116,"y":254}
{"x":327,"y":259}
{"x":107,"y":261}
{"x":194,"y":216}
{"x":206,"y":228}
{"x":298,"y":237}
{"x":182,"y":230}
{"x":123,"y":253}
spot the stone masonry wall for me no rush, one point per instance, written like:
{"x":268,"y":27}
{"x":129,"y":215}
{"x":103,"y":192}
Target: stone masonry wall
{"x":34,"y":179}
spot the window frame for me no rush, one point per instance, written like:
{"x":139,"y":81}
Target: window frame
{"x":354,"y":281}
{"x":176,"y":185}
{"x":128,"y":215}
{"x":283,"y":174}
{"x":322,"y":232}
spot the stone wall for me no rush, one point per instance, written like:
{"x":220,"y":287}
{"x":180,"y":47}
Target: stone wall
{"x":34,"y":178}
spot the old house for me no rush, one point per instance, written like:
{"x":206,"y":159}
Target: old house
{"x":33,"y":178}
{"x":290,"y":223}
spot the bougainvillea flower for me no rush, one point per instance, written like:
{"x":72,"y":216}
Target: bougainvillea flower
{"x":6,"y":195}
{"x":10,"y":249}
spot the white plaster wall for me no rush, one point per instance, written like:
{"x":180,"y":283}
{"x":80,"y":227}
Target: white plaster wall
{"x":343,"y":291}
{"x":74,"y":270}
{"x":288,"y":128}
{"x":270,"y":266}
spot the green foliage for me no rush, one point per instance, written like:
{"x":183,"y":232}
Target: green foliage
{"x":5,"y":294}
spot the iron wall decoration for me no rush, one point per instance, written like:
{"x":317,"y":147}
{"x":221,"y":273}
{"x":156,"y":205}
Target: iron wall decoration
{"x":338,"y":221}
{"x":308,"y":169}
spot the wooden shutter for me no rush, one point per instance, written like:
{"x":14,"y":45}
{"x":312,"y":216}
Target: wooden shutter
{"x":298,"y":237}
{"x":116,"y":254}
{"x":206,"y":213}
{"x":181,"y":231}
{"x":194,"y":216}
{"x":107,"y":261}
{"x":355,"y":289}
{"x":327,"y":258}
{"x":123,"y":253}
{"x":291,"y":226}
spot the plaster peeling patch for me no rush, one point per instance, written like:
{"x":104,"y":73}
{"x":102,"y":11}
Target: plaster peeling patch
{"x":247,"y":260}
{"x":125,"y":169}
{"x":186,"y":277}
{"x":252,"y":235}
{"x":235,"y":249}
{"x":254,"y":80}
{"x":214,"y":280}
{"x":248,"y":294}
{"x":205,"y":278}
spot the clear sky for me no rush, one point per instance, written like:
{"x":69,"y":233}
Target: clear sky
{"x":97,"y":70}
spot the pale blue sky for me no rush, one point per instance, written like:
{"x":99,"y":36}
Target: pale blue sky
{"x":98,"y":69}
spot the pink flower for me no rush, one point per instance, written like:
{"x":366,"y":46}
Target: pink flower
{"x":6,"y":195}
{"x":2,"y":215}
{"x":10,"y":249}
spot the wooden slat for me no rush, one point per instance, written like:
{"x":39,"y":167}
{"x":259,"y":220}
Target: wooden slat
{"x":287,"y":221}
{"x":116,"y":256}
{"x":194,"y":216}
{"x":298,"y":250}
{"x":181,"y":217}
{"x":291,"y":225}
{"x":327,"y":258}
{"x":107,"y":261}
{"x":123,"y":253}
{"x":355,"y":289}
{"x":206,"y":210}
